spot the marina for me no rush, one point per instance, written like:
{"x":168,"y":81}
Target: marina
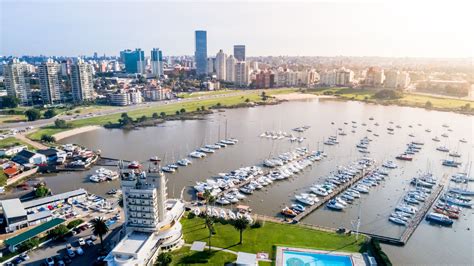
{"x":270,"y":200}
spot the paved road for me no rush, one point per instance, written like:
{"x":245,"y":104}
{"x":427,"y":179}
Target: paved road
{"x":54,"y":248}
{"x":117,"y":110}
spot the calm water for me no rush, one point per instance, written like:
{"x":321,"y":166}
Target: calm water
{"x":174,"y":140}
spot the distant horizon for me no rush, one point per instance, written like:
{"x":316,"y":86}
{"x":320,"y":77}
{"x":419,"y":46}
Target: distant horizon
{"x":365,"y":29}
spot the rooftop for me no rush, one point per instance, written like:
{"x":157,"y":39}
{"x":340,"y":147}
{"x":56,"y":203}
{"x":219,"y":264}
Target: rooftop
{"x":46,"y":200}
{"x":12,"y":208}
{"x":132,"y":243}
{"x":18,"y":239}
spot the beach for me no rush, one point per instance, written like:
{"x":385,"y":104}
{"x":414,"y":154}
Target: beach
{"x":75,"y":131}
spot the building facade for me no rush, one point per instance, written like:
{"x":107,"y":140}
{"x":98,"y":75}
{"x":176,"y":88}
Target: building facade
{"x":221,"y":65}
{"x":200,"y":54}
{"x":157,"y":62}
{"x":239,"y":52}
{"x":230,"y":69}
{"x":134,"y":61}
{"x":82,"y":82}
{"x":17,"y":81}
{"x":241,"y":74}
{"x":49,"y":81}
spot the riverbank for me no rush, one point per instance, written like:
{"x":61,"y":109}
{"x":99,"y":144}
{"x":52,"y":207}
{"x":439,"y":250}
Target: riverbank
{"x":294,"y":96}
{"x":407,"y":99}
{"x":219,"y":102}
{"x":74,"y":131}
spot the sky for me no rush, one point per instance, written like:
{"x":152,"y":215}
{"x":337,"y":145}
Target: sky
{"x":415,"y":28}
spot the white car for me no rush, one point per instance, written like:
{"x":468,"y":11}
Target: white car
{"x":81,"y":241}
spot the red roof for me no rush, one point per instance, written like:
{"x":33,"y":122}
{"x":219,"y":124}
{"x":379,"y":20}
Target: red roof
{"x":11,"y":171}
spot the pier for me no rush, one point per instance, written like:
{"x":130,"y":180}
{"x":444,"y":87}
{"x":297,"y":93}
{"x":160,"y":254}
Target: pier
{"x":336,"y":192}
{"x":411,"y":227}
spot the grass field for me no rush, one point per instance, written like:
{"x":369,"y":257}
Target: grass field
{"x":11,"y":118}
{"x":408,"y":99}
{"x":184,"y":256}
{"x":265,"y":239}
{"x":11,"y":141}
{"x":187,"y":95}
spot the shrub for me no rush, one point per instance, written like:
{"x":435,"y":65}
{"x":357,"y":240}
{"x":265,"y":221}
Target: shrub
{"x":9,"y":102}
{"x":50,"y":113}
{"x":60,"y":123}
{"x":41,"y":191}
{"x":29,"y":244}
{"x":155,"y":116}
{"x":32,"y":114}
{"x":162,"y":114}
{"x":59,"y":231}
{"x":191,"y":215}
{"x":74,"y":223}
{"x":256,"y":224}
{"x":47,"y":138}
{"x":387,"y":95}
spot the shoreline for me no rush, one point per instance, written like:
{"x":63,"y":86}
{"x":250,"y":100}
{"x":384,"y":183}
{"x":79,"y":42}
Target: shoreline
{"x":294,"y":96}
{"x":74,"y":131}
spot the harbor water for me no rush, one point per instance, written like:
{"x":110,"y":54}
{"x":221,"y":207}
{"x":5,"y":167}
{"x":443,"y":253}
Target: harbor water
{"x":174,"y":140}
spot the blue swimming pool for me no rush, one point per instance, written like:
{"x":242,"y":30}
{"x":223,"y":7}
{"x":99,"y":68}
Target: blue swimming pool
{"x":300,"y":258}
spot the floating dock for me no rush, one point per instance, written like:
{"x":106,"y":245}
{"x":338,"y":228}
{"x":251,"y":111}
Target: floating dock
{"x":337,"y":191}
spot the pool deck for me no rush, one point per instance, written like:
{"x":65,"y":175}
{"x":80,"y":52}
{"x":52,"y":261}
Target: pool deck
{"x":357,"y":258}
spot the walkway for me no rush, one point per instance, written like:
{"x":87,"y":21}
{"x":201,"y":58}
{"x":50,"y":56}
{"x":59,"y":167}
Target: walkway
{"x":30,"y":142}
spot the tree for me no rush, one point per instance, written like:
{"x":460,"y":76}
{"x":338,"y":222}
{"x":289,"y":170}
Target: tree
{"x":32,"y":114}
{"x":164,"y":259}
{"x":241,"y":224}
{"x":203,"y":108}
{"x":60,"y":123}
{"x":162,"y":114}
{"x":59,"y":232}
{"x":247,"y":100}
{"x":41,"y":191}
{"x":74,"y":223}
{"x":182,"y":110}
{"x":50,"y":113}
{"x":29,"y":244}
{"x":100,"y":229}
{"x":125,"y":119}
{"x":209,"y":221}
{"x":155,"y":116}
{"x":428,"y":104}
{"x":177,"y":112}
{"x":47,"y":138}
{"x":264,"y":96}
{"x":142,"y":118}
{"x":9,"y":102}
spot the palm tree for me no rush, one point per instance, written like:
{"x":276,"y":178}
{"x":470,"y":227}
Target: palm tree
{"x":100,"y":229}
{"x":210,"y":226}
{"x":241,"y":224}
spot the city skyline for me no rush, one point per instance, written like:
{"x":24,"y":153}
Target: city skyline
{"x":305,"y":29}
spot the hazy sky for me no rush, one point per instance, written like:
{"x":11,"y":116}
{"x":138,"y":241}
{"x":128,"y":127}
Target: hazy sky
{"x":354,"y":28}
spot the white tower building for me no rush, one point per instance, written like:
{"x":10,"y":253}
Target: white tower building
{"x":221,"y":65}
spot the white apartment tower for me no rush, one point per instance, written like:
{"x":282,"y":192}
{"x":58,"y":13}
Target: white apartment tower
{"x":82,"y":82}
{"x":230,"y":69}
{"x":241,"y":74}
{"x":221,"y":65}
{"x":17,"y":81}
{"x":50,"y":84}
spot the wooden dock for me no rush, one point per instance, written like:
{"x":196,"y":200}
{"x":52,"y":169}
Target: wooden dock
{"x":337,"y":191}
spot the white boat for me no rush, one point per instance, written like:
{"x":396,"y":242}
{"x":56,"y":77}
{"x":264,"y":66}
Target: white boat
{"x":222,"y":214}
{"x":334,"y":205}
{"x":305,"y":199}
{"x":390,"y":164}
{"x":397,"y":220}
{"x":184,"y":162}
{"x":442,"y":148}
{"x":231,"y":215}
{"x":196,"y":211}
{"x":197,"y":154}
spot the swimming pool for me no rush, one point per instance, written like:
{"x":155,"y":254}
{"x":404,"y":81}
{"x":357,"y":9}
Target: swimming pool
{"x":302,"y":258}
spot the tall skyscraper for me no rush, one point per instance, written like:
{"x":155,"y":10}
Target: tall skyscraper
{"x":17,"y":81}
{"x":239,"y":52}
{"x":200,"y":54}
{"x":211,"y":65}
{"x":82,"y":81}
{"x":230,"y":69}
{"x":157,"y":62}
{"x":50,"y":84}
{"x":220,"y":65}
{"x":134,"y":61}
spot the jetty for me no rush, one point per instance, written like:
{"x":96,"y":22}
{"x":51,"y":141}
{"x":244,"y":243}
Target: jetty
{"x":336,"y":192}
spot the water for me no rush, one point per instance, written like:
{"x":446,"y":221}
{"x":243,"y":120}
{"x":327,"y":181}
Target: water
{"x":317,"y":259}
{"x":174,"y":140}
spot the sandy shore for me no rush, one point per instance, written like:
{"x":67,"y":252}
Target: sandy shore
{"x":75,"y":131}
{"x":299,"y":96}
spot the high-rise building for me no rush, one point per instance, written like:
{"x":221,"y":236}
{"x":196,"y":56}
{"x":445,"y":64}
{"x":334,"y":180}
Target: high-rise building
{"x":395,"y":79}
{"x":211,"y":65}
{"x":264,"y":79}
{"x":82,"y":82}
{"x":50,"y":84}
{"x":241,"y":74}
{"x":157,"y":62}
{"x":220,"y":65}
{"x":374,"y":77}
{"x":17,"y":81}
{"x":344,"y":77}
{"x":200,"y":54}
{"x":328,"y":77}
{"x":152,"y":223}
{"x":230,"y":69}
{"x":134,"y":61}
{"x":239,"y":52}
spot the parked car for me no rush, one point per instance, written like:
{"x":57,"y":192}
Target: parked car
{"x":93,"y":238}
{"x":79,"y":251}
{"x":81,"y":241}
{"x":66,"y":259}
{"x":24,"y":256}
{"x":89,"y":242}
{"x":71,"y":253}
{"x":50,"y":261}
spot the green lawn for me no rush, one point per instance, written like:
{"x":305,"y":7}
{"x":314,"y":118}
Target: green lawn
{"x":186,"y":95}
{"x":184,"y":256}
{"x":265,"y":239}
{"x":3,"y":178}
{"x":12,"y":141}
{"x":11,"y":118}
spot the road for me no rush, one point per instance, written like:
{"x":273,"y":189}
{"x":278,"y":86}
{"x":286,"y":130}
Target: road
{"x":117,"y":110}
{"x":55,"y":248}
